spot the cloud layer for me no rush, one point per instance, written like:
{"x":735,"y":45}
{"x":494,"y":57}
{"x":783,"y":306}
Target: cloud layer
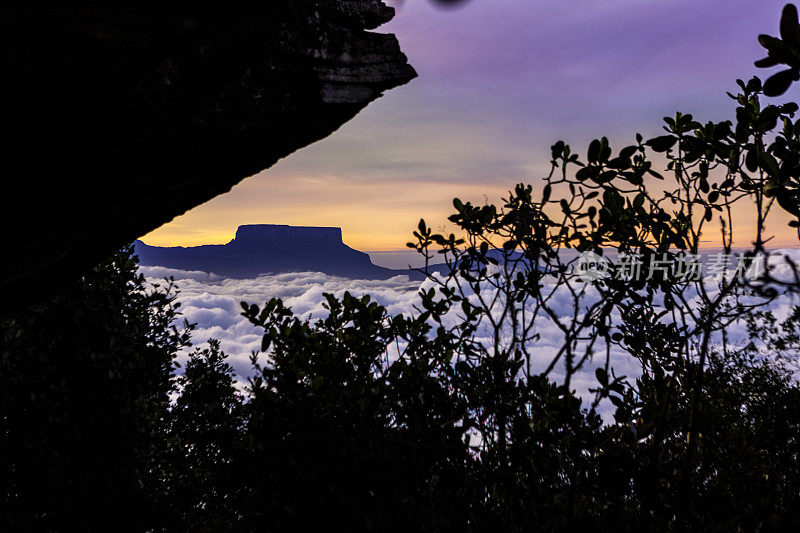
{"x":213,"y":304}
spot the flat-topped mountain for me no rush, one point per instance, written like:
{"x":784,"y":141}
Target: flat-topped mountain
{"x":270,"y":248}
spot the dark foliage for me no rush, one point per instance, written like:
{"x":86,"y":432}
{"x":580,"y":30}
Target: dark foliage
{"x":206,"y":421}
{"x":84,"y":385}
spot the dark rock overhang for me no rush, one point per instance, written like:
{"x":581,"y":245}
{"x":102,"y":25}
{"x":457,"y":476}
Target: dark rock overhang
{"x":123,"y":115}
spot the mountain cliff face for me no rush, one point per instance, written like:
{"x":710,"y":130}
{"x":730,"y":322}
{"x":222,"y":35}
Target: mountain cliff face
{"x":266,"y":248}
{"x":122,"y":115}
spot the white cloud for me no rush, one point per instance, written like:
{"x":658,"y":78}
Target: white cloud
{"x":213,"y":303}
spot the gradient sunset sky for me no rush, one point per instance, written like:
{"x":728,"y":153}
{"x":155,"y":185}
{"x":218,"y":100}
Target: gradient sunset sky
{"x":499,"y":82}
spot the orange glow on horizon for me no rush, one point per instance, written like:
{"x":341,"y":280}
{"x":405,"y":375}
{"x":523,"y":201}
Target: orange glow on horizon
{"x":373,"y":215}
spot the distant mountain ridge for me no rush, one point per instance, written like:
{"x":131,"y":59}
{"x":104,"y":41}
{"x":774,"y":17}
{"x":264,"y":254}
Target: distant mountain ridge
{"x":271,"y":248}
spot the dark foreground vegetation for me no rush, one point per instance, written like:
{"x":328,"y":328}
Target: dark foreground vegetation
{"x":452,"y":419}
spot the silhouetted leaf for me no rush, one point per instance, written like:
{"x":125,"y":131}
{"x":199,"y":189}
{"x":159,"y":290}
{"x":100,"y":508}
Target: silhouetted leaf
{"x":662,"y":143}
{"x":779,"y":83}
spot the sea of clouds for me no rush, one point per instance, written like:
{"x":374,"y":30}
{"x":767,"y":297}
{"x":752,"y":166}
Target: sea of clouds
{"x":213,"y":304}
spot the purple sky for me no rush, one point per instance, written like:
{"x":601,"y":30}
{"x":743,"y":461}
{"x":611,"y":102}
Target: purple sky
{"x":499,"y":82}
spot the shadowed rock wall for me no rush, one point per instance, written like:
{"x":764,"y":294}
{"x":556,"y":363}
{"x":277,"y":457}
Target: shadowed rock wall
{"x":123,"y":115}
